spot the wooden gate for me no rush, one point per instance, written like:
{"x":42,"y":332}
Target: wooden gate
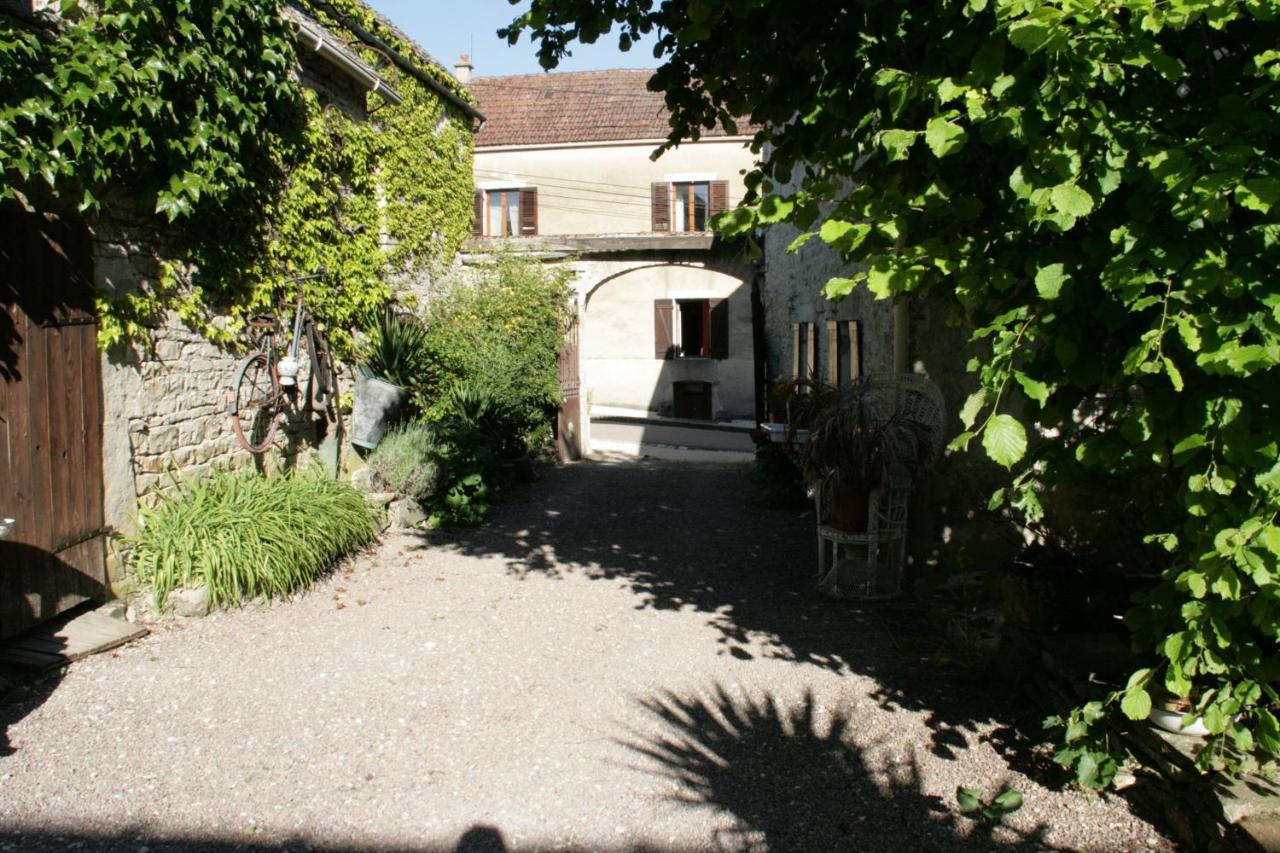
{"x":569,"y":417}
{"x":53,"y":556}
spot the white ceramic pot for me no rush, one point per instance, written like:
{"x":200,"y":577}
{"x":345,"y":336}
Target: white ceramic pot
{"x":1171,"y":721}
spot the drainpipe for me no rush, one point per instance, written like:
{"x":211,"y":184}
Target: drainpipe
{"x":312,"y":39}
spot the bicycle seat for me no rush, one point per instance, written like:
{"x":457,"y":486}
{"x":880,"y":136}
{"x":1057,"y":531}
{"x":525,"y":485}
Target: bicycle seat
{"x":261,"y":321}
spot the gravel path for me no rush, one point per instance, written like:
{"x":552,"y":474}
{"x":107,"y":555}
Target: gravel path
{"x":626,"y":657}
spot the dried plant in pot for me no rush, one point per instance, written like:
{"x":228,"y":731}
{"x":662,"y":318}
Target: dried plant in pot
{"x":858,"y":435}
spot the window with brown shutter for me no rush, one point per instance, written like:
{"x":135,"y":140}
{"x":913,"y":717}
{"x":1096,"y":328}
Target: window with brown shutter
{"x":507,"y":212}
{"x":688,"y":206}
{"x":477,"y":224}
{"x":691,"y":328}
{"x":661,"y":194}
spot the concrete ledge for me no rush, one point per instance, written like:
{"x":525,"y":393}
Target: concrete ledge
{"x":660,"y":420}
{"x":593,"y":244}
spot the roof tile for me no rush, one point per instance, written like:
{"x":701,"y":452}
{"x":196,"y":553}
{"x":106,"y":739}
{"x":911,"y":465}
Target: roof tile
{"x":580,"y":106}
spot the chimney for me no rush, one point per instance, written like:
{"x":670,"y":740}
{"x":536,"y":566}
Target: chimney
{"x":462,"y":70}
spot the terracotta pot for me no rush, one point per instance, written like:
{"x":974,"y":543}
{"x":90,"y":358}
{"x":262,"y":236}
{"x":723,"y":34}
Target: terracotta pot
{"x":850,"y":506}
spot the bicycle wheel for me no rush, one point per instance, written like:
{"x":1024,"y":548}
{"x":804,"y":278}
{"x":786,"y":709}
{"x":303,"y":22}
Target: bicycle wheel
{"x":253,"y":402}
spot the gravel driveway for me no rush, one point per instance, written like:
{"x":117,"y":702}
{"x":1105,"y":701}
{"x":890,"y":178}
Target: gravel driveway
{"x":626,"y":657}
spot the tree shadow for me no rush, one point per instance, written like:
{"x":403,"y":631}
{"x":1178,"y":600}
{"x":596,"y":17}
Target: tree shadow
{"x":480,"y":838}
{"x":36,"y":587}
{"x":694,"y":536}
{"x":793,"y":777}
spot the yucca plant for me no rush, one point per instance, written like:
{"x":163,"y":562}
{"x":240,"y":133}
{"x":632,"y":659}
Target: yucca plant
{"x":395,"y":348}
{"x":242,"y":535}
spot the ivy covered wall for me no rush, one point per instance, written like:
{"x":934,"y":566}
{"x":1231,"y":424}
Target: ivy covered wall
{"x":212,"y":162}
{"x":197,"y":110}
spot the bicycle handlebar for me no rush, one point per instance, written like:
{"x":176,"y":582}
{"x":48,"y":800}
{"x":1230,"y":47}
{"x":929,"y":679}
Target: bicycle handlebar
{"x":321,"y":273}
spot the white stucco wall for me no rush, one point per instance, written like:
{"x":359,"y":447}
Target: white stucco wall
{"x":604,"y":188}
{"x":619,"y":367}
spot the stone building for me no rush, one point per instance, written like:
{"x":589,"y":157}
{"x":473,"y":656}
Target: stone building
{"x":667,"y":342}
{"x":92,"y":434}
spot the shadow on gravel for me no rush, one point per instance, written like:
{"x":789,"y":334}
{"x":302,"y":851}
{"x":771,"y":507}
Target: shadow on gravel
{"x":793,"y":779}
{"x":23,"y":694}
{"x":695,"y":536}
{"x":478,"y":839}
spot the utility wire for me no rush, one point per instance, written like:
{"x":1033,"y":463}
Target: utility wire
{"x":566,"y":183}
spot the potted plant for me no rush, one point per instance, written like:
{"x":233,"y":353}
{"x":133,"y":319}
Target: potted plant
{"x":1176,"y":714}
{"x":857,"y":435}
{"x":393,"y":361}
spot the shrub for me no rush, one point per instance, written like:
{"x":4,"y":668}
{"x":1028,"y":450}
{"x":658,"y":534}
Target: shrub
{"x":243,"y":535}
{"x":499,"y":326}
{"x":407,"y":461}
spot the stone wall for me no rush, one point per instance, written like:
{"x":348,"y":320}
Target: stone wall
{"x":164,"y":399}
{"x":792,"y":293}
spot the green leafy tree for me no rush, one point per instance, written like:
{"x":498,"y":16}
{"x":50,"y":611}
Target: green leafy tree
{"x":195,"y":111}
{"x":1095,"y":183}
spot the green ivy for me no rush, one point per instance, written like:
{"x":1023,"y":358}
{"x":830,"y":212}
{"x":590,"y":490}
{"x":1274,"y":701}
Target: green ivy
{"x":425,"y":159}
{"x":1097,"y":185}
{"x":195,"y":109}
{"x":158,"y":96}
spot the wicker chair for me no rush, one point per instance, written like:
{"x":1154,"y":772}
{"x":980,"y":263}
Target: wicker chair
{"x":869,"y":565}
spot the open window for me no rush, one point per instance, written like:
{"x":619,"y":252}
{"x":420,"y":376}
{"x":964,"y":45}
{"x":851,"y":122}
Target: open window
{"x":691,"y":328}
{"x":506,"y":212}
{"x":687,"y":206}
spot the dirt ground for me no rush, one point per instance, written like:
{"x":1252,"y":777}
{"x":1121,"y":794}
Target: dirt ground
{"x":627,"y":656}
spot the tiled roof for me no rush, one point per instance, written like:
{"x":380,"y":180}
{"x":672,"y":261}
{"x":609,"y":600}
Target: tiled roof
{"x":579,"y":106}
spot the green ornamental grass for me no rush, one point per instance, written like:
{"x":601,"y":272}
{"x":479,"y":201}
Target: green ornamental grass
{"x":244,"y":535}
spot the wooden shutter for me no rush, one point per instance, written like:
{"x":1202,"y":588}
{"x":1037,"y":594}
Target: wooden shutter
{"x":855,"y":351}
{"x":833,"y":352}
{"x":719,"y":197}
{"x":664,"y":344}
{"x":661,"y":193}
{"x":811,"y":332}
{"x":718,"y":331}
{"x":477,"y":224}
{"x":804,"y":351}
{"x":795,"y":352}
{"x":529,"y":212}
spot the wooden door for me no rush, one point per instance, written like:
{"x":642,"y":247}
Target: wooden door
{"x":54,"y":556}
{"x":691,"y":400}
{"x":569,"y":416}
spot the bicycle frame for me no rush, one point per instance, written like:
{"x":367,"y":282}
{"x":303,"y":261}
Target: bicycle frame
{"x":288,"y":365}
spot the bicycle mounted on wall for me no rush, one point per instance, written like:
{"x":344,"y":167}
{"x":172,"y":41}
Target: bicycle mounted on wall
{"x":266,"y":384}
